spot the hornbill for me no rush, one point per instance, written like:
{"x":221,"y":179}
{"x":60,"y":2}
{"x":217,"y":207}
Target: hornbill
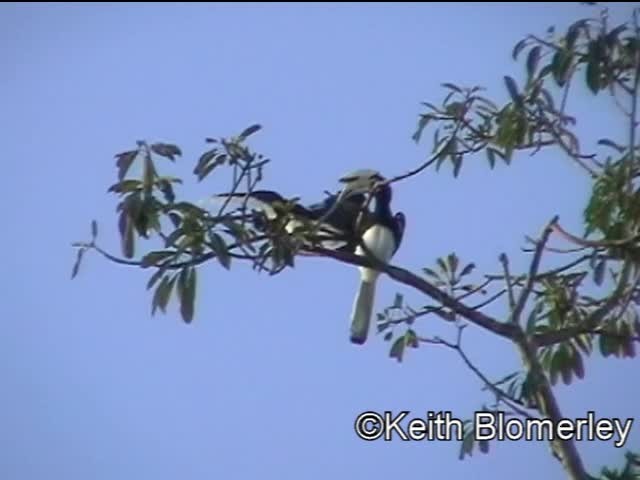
{"x":334,"y":218}
{"x":331,"y":224}
{"x":345,"y":221}
{"x":381,"y":235}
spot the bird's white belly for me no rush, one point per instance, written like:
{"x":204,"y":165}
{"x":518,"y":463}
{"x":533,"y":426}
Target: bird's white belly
{"x":380,"y":242}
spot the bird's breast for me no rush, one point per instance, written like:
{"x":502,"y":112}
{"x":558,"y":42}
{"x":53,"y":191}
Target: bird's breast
{"x":380,"y":242}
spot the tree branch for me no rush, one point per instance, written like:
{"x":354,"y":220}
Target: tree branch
{"x":565,"y":450}
{"x":508,"y":279}
{"x":549,"y":273}
{"x":533,"y":272}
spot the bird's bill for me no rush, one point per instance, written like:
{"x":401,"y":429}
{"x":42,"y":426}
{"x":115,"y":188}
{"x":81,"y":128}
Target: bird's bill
{"x":362,"y":176}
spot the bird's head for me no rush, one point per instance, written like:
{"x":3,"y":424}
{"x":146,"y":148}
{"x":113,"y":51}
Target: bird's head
{"x":360,"y":181}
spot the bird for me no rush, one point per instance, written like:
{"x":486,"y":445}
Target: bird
{"x":333,"y":218}
{"x":346,"y":221}
{"x":332,"y":222}
{"x":382,"y":234}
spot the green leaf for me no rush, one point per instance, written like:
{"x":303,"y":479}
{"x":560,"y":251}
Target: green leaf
{"x":94,"y":229}
{"x":533,"y":317}
{"x":125,"y":186}
{"x":430,"y":106}
{"x":457,"y":165}
{"x":544,"y":71}
{"x":166,"y":150}
{"x":518,"y":48}
{"x":448,"y":148}
{"x":452,"y":261}
{"x":209,"y":168}
{"x":149,"y":174}
{"x":167,"y":190}
{"x":453,"y":87}
{"x":583,"y":342}
{"x":204,"y":159}
{"x":566,"y":367}
{"x":431,"y":273}
{"x":124,"y":161}
{"x":512,"y":88}
{"x":612,"y":36}
{"x":174,"y":237}
{"x":610,"y":143}
{"x":155,"y":277}
{"x":593,"y":74}
{"x":508,"y":154}
{"x":605,"y":345}
{"x":627,"y":344}
{"x":467,"y":269}
{"x":491,"y":156}
{"x":249,"y":131}
{"x":187,"y":292}
{"x":152,"y":258}
{"x":127,"y":238}
{"x":572,"y":33}
{"x":557,"y":366}
{"x":466,"y":448}
{"x":219,"y":247}
{"x":397,"y":349}
{"x":578,"y":365}
{"x":411,"y":339}
{"x":388,"y":336}
{"x":599,"y":271}
{"x":442,"y":265}
{"x":76,"y":265}
{"x":163,"y":294}
{"x":422,"y":124}
{"x":532,"y":60}
{"x":397,"y":301}
{"x":560,"y":65}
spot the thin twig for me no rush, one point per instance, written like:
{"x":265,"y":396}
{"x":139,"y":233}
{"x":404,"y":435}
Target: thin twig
{"x":508,"y":280}
{"x":593,"y":243}
{"x":548,"y":273}
{"x":500,"y":394}
{"x":553,"y":249}
{"x":533,"y":272}
{"x":439,"y":310}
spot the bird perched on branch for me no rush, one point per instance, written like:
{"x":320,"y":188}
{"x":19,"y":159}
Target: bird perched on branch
{"x":344,"y":221}
{"x":328,"y":224}
{"x":333,"y":219}
{"x":380,"y":232}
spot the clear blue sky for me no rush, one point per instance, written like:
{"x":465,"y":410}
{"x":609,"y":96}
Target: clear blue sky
{"x":265,"y":382}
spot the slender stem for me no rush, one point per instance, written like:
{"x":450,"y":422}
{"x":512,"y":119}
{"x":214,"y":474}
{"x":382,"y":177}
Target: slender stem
{"x":533,"y":272}
{"x":508,"y":280}
{"x":500,"y":394}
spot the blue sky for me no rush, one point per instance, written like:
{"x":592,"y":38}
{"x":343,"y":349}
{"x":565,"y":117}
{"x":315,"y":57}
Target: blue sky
{"x":265,"y":381}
